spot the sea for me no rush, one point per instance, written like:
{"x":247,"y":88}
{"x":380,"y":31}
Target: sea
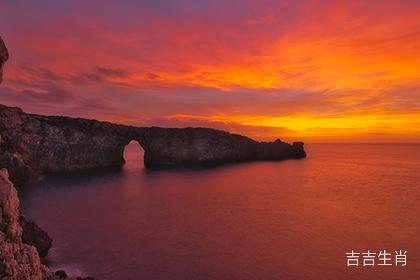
{"x":347,"y":211}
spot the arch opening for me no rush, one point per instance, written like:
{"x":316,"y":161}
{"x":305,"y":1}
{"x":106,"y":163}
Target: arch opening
{"x":133,"y":156}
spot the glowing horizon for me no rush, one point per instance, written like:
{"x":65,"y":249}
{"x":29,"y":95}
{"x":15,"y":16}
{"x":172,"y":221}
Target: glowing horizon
{"x":323,"y":71}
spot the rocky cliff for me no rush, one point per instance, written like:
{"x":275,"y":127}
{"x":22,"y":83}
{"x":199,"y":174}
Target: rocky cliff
{"x":22,"y":242}
{"x":31,"y":145}
{"x":174,"y":146}
{"x":17,"y":259}
{"x":4,"y":55}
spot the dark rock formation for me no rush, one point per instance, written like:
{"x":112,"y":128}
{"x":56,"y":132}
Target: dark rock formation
{"x":31,"y":145}
{"x":174,"y":146}
{"x":18,"y":261}
{"x":4,"y":55}
{"x":61,"y":274}
{"x":34,"y":235}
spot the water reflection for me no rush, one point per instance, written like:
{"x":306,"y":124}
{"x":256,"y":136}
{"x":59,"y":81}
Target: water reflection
{"x":263,"y":220}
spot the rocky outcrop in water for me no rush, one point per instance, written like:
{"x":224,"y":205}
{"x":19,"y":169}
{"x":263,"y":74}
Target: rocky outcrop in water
{"x":34,"y":235}
{"x":31,"y":145}
{"x":175,"y":146}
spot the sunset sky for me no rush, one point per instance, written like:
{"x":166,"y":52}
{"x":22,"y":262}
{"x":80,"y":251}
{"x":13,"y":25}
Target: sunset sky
{"x":320,"y":71}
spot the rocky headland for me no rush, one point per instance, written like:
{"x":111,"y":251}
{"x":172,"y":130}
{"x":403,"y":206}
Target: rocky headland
{"x":32,"y":145}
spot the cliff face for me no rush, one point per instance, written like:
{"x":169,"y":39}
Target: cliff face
{"x":31,"y":145}
{"x":17,"y":259}
{"x":172,"y":146}
{"x":4,"y":55}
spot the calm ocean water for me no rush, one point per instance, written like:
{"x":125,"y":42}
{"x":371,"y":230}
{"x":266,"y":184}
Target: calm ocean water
{"x":292,"y":219}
